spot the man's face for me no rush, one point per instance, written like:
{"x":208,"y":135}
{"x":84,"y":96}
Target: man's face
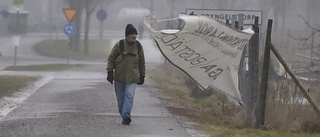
{"x":132,"y":37}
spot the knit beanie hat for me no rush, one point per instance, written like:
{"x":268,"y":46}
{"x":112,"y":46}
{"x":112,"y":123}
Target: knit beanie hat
{"x":131,"y":30}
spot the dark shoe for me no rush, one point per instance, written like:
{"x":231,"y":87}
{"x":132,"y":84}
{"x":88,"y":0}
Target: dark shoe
{"x":126,"y":121}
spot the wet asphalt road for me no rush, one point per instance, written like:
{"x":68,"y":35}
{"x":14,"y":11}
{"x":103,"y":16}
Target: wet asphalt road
{"x":81,"y":103}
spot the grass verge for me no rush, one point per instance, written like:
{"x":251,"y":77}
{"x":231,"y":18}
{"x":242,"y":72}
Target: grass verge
{"x":54,"y":48}
{"x":214,"y":117}
{"x":43,"y":67}
{"x":59,"y":48}
{"x":11,"y":83}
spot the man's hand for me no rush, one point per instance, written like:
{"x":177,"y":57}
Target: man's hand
{"x":110,"y":77}
{"x":141,"y":80}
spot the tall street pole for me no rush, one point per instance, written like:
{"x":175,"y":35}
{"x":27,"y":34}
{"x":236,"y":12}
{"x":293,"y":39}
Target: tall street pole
{"x":50,"y":18}
{"x":16,"y":38}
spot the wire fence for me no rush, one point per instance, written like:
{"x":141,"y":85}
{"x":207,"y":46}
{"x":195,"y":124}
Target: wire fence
{"x":286,"y":107}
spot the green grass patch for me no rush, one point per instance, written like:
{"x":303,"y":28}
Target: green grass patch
{"x":97,"y":49}
{"x":43,"y":67}
{"x":11,"y":83}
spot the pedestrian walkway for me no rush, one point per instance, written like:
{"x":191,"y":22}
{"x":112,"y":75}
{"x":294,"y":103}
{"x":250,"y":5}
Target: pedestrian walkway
{"x":80,"y":102}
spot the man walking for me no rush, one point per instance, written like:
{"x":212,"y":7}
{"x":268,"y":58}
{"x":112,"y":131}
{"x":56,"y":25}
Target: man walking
{"x":126,"y":67}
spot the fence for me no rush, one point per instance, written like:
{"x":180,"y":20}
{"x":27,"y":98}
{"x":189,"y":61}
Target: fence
{"x":284,"y":100}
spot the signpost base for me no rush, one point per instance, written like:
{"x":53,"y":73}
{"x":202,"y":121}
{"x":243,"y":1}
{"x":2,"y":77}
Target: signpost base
{"x":15,"y":55}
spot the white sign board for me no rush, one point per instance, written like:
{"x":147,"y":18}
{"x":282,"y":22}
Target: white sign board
{"x":16,"y":40}
{"x":222,"y":15}
{"x":206,"y":50}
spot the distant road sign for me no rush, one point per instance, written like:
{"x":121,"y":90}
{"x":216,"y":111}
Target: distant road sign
{"x":69,"y":29}
{"x":101,"y":15}
{"x":222,"y":15}
{"x":69,"y":13}
{"x":18,"y":2}
{"x":16,"y":40}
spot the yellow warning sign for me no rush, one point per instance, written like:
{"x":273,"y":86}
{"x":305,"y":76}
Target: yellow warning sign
{"x":69,"y":13}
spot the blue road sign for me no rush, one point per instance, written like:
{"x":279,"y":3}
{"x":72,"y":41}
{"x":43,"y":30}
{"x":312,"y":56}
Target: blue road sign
{"x":101,"y":15}
{"x":69,"y":29}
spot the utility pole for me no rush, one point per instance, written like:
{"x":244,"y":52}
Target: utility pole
{"x":151,"y":7}
{"x":203,"y":4}
{"x":16,"y":38}
{"x":264,"y":79}
{"x":312,"y":42}
{"x":171,"y":15}
{"x":50,"y":19}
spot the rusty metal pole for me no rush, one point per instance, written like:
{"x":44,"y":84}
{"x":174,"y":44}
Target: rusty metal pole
{"x":264,"y":79}
{"x":254,"y":70}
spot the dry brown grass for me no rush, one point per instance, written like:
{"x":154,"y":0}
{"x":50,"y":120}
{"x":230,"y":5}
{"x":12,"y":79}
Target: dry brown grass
{"x":206,"y":107}
{"x":287,"y":109}
{"x":11,"y":84}
{"x":218,"y":115}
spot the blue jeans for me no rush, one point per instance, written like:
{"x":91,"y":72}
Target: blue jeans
{"x":125,"y":95}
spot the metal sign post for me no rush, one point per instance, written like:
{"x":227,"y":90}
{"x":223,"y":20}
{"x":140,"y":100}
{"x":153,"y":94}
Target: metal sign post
{"x":69,"y":30}
{"x":16,"y":37}
{"x":101,"y":15}
{"x":15,"y":43}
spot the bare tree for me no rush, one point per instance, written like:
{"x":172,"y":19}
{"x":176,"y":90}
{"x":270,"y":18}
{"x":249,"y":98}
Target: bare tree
{"x":148,"y":5}
{"x":310,"y":38}
{"x":90,"y":6}
{"x":75,"y":40}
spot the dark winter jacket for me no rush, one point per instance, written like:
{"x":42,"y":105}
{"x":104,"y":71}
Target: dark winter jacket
{"x":128,"y":65}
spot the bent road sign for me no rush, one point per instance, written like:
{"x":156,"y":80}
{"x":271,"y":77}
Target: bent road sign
{"x":206,"y":50}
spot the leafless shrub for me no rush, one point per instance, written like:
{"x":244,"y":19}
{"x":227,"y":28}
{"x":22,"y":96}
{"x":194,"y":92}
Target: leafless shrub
{"x":287,"y":109}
